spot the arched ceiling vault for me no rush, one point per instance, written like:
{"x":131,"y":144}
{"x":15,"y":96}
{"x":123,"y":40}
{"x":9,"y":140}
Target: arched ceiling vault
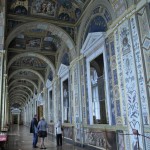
{"x":34,"y":48}
{"x":19,"y":91}
{"x":21,"y":86}
{"x":23,"y":79}
{"x":42,"y":26}
{"x":18,"y":95}
{"x":45,"y":59}
{"x":13,"y":99}
{"x":26,"y":70}
{"x":18,"y":100}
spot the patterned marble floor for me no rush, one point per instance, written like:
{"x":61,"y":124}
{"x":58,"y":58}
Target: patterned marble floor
{"x":21,"y":139}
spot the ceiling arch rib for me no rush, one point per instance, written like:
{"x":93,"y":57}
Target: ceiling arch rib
{"x":63,"y":35}
{"x":28,"y":70}
{"x":19,"y":91}
{"x":17,"y":100}
{"x":18,"y":94}
{"x":13,"y":99}
{"x":17,"y":86}
{"x":45,"y":59}
{"x":23,"y":79}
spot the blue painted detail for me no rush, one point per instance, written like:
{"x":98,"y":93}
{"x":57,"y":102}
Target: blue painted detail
{"x":110,"y":84}
{"x":115,"y":77}
{"x":97,"y":24}
{"x":107,"y":16}
{"x":65,"y":59}
{"x":112,"y":48}
{"x":50,"y":76}
{"x":118,"y":108}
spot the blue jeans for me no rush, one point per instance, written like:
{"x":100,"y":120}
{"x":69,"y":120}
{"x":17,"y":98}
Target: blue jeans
{"x":35,"y":139}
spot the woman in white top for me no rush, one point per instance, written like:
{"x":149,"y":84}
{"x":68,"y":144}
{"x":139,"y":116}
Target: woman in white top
{"x":59,"y":133}
{"x":42,"y":130}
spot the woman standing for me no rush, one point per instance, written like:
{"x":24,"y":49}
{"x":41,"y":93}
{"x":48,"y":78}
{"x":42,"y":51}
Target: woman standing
{"x":42,"y":130}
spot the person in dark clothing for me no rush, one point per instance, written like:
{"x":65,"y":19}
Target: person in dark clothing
{"x":59,"y":133}
{"x":34,"y":130}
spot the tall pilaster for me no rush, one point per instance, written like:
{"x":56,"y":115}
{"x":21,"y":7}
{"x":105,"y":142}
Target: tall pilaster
{"x":1,"y":82}
{"x":45,"y":107}
{"x":2,"y":29}
{"x":131,"y":79}
{"x":54,"y":99}
{"x":3,"y":123}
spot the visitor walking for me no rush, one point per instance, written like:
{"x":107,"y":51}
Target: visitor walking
{"x":34,"y":130}
{"x":42,"y":131}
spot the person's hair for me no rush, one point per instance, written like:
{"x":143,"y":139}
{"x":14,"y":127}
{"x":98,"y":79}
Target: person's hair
{"x":42,"y":118}
{"x":35,"y":115}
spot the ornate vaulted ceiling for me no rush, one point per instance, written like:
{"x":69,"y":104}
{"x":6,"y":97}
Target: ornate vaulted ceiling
{"x":33,"y":51}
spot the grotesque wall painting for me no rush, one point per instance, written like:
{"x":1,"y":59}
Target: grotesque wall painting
{"x":66,"y":10}
{"x":30,"y":62}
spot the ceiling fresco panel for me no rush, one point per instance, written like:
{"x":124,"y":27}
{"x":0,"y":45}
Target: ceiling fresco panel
{"x":33,"y":43}
{"x":44,"y":7}
{"x":26,"y":74}
{"x":36,"y":40}
{"x":30,"y":62}
{"x":65,"y":10}
{"x":119,"y":6}
{"x":23,"y":82}
{"x":18,"y":6}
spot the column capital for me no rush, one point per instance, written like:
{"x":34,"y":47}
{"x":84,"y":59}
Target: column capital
{"x":44,"y":89}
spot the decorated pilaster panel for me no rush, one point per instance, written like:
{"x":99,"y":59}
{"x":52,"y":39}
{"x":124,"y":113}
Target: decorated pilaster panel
{"x":82,"y":88}
{"x":140,"y":71}
{"x":120,"y":77}
{"x":72,"y":103}
{"x":144,"y":28}
{"x":45,"y":97}
{"x":130,"y":79}
{"x":58,"y":99}
{"x":116,"y":94}
{"x":55,"y":100}
{"x":77,"y":103}
{"x":110,"y":79}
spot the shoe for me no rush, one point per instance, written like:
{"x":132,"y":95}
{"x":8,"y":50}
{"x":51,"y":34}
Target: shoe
{"x":44,"y":148}
{"x":35,"y":146}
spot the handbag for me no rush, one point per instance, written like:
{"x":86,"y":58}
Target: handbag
{"x":39,"y":133}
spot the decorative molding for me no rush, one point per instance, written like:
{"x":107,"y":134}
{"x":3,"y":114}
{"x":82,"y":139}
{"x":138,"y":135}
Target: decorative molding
{"x":92,"y":40}
{"x":63,"y":70}
{"x":48,"y":83}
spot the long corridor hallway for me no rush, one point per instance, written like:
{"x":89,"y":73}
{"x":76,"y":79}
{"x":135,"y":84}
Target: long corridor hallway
{"x":20,"y":138}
